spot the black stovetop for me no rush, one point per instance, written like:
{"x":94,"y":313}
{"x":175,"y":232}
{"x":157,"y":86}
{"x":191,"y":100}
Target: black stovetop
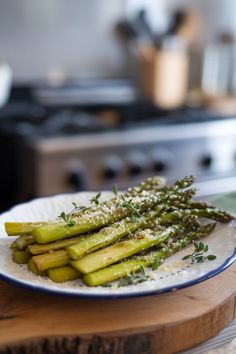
{"x":23,"y":116}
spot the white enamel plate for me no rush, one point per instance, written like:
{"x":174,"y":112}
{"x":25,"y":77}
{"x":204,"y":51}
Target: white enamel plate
{"x":172,"y":275}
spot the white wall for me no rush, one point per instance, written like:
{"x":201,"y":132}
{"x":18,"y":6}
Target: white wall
{"x":41,"y":36}
{"x":217,"y":16}
{"x":38,"y":37}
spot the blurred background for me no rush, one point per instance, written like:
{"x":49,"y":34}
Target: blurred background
{"x":99,"y":92}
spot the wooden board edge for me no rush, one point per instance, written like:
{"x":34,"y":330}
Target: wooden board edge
{"x":160,"y":339}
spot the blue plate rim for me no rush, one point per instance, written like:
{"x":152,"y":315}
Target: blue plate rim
{"x":60,"y":292}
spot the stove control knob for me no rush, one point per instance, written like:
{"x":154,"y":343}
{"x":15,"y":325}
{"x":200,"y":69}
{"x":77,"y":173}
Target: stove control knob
{"x":206,"y":161}
{"x":161,"y":160}
{"x":113,"y":167}
{"x":137,"y":163}
{"x":76,"y":177}
{"x":160,"y":166}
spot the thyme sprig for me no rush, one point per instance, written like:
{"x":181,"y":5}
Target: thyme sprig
{"x":95,"y":199}
{"x":106,"y":285}
{"x":132,"y":207}
{"x":114,"y":189}
{"x":198,"y":255}
{"x":134,"y":278}
{"x":155,"y":263}
{"x":77,"y":207}
{"x":129,"y":204}
{"x":67,"y":218}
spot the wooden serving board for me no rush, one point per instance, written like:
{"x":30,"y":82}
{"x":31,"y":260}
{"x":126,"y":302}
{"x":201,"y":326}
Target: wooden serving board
{"x":39,"y":323}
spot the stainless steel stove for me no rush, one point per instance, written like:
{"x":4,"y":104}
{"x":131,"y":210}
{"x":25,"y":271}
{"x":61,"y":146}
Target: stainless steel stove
{"x":96,"y":161}
{"x":49,"y":150}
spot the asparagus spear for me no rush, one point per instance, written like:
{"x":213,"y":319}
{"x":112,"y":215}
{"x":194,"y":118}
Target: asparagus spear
{"x":187,"y":217}
{"x":141,"y":240}
{"x":36,"y":249}
{"x":129,"y":266}
{"x":150,"y":184}
{"x":14,"y":245}
{"x":209,"y":212}
{"x":21,"y":228}
{"x":214,"y":214}
{"x":63,"y":274}
{"x":24,"y":228}
{"x":116,"y":252}
{"x":21,"y":257}
{"x":103,"y":238}
{"x":33,"y":268}
{"x":87,"y":222}
{"x":110,"y":234}
{"x":105,"y":216}
{"x":199,"y":204}
{"x":24,"y":241}
{"x":116,"y":231}
{"x":49,"y":260}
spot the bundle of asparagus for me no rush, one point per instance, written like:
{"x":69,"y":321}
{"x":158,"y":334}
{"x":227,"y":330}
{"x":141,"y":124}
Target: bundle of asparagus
{"x":118,"y":238}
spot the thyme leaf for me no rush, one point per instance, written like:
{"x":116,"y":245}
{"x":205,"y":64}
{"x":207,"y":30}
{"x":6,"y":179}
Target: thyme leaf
{"x":132,"y":207}
{"x":107,"y":285}
{"x":95,"y":199}
{"x":198,"y":255}
{"x":114,"y":189}
{"x":155,"y":263}
{"x":67,"y":218}
{"x":134,"y":278}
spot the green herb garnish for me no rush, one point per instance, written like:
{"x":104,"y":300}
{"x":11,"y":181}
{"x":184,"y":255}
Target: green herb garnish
{"x":77,"y":207}
{"x":106,"y":285}
{"x":155,"y":263}
{"x":95,"y":199}
{"x":198,"y":255}
{"x":114,"y":189}
{"x":67,"y":218}
{"x":134,"y":278}
{"x":132,"y":207}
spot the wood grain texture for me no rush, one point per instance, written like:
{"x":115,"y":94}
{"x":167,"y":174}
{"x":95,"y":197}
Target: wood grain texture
{"x":38,"y":323}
